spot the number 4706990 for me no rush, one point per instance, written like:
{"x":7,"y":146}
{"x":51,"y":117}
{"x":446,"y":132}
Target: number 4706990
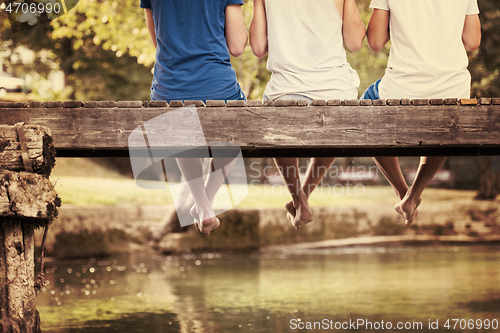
{"x":471,"y":324}
{"x":33,"y":8}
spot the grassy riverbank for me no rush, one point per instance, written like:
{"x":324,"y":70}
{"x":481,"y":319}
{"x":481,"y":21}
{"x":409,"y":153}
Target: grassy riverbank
{"x":82,"y":182}
{"x":100,"y":206}
{"x":89,"y":191}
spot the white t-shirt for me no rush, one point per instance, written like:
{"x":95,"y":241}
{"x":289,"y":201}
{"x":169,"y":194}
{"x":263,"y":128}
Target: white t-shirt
{"x":427,"y":57}
{"x":306,"y":51}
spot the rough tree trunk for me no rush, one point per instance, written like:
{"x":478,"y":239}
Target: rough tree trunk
{"x":489,"y":182}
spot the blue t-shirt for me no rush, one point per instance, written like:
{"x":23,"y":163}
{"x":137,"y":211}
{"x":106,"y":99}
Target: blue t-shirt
{"x":192,"y":58}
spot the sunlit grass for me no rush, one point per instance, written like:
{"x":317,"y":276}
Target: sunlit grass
{"x":85,"y":191}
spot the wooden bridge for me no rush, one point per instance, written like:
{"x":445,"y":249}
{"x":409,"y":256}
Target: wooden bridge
{"x":283,"y":128}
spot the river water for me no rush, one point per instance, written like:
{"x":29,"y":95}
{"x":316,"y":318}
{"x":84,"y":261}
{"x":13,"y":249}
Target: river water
{"x":356,"y":289}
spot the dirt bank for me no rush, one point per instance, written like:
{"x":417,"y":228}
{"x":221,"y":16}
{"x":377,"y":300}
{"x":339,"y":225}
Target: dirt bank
{"x":104,"y":230}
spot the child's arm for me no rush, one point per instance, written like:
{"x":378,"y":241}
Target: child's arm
{"x":353,"y":30}
{"x":235,"y":31}
{"x":471,"y":36}
{"x":150,"y":23}
{"x":378,"y":29}
{"x":258,"y":29}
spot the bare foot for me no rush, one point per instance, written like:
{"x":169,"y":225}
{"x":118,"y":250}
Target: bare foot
{"x":208,"y":225}
{"x":407,"y":208}
{"x":303,"y":216}
{"x":298,"y":217}
{"x":290,"y":211}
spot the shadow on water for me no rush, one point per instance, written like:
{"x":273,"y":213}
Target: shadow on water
{"x":137,"y":322}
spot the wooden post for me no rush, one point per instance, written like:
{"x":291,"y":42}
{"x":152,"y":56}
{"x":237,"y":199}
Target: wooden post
{"x":27,"y":201}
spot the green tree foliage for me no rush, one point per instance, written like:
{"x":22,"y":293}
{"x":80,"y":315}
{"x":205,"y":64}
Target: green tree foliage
{"x":103,"y":48}
{"x":485,"y":62}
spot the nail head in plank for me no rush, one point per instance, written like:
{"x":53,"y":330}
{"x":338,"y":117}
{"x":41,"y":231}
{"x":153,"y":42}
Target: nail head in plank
{"x":334,"y":102}
{"x":451,"y":101}
{"x":285,"y":102}
{"x":318,"y":102}
{"x":406,"y":101}
{"x":254,"y":103}
{"x":129,"y":104}
{"x":107,"y":104}
{"x":72,"y":104}
{"x":91,"y":104}
{"x":437,"y":101}
{"x":236,"y":103}
{"x":158,"y":104}
{"x":216,"y":103}
{"x":468,"y":101}
{"x":485,"y":101}
{"x":379,"y":102}
{"x":393,"y":102}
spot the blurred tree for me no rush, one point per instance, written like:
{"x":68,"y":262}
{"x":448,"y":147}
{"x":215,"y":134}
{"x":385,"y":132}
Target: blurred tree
{"x":485,"y":63}
{"x":485,"y":71}
{"x":89,"y":44}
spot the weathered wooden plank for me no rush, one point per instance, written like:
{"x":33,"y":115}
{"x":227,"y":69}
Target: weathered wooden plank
{"x":39,"y":146}
{"x":291,"y":131}
{"x":72,"y":104}
{"x":318,"y":102}
{"x":334,"y":102}
{"x":217,"y":103}
{"x":27,"y":195}
{"x":17,"y":303}
{"x":236,"y":103}
{"x":254,"y":104}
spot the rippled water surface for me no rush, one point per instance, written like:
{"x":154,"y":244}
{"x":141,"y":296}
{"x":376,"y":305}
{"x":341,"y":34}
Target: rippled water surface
{"x":276,"y":292}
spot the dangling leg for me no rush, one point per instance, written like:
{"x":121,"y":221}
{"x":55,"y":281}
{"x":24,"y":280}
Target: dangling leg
{"x":389,"y":166}
{"x":315,"y":173}
{"x":214,"y":181}
{"x":390,"y":169}
{"x":192,"y":169}
{"x":426,"y":171}
{"x":289,"y":168}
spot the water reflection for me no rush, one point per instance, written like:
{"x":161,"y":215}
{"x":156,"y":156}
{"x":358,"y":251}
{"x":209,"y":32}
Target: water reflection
{"x":270,"y":292}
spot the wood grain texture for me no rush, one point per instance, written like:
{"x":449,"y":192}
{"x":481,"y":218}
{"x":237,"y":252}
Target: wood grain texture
{"x":27,"y":195}
{"x":286,"y":130}
{"x":41,"y":152}
{"x":17,"y":303}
